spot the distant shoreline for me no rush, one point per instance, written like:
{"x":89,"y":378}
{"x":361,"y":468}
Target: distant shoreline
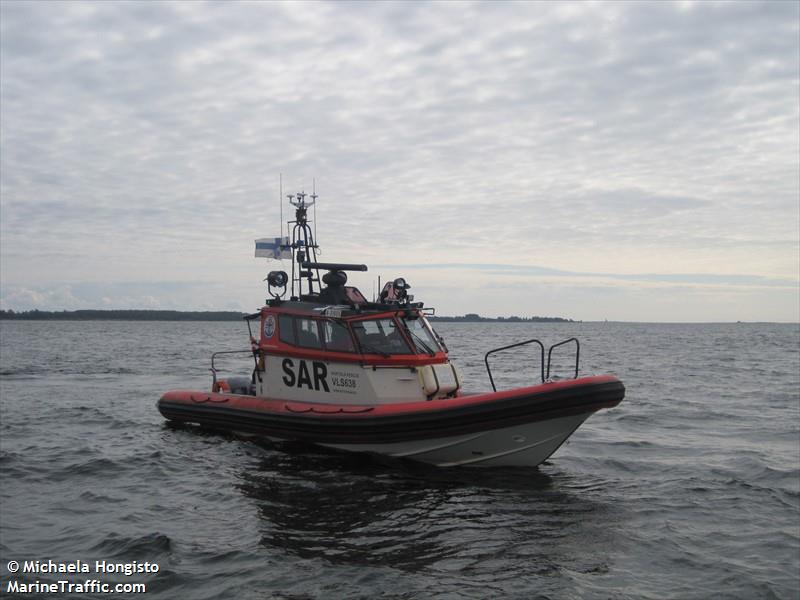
{"x":121,"y":315}
{"x":478,"y":319}
{"x":180,"y":315}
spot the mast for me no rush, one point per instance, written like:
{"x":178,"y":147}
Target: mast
{"x":305,"y":277}
{"x":314,"y":198}
{"x":304,"y":247}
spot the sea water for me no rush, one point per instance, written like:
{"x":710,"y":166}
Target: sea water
{"x":690,"y":488}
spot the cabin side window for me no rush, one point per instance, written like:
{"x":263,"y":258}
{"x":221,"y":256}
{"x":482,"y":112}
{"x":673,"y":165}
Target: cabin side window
{"x":308,"y":333}
{"x":337,"y":337}
{"x":286,"y":328}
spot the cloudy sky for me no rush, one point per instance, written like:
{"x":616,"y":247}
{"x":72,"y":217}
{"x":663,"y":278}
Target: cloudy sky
{"x":634,"y":161}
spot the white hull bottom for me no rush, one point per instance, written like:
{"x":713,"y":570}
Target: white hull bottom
{"x":519,"y":446}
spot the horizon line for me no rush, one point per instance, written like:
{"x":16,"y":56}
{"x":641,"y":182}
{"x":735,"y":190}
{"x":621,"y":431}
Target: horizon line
{"x":500,"y":317}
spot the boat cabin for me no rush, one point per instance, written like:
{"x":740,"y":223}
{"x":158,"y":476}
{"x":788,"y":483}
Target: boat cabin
{"x":354,"y":352}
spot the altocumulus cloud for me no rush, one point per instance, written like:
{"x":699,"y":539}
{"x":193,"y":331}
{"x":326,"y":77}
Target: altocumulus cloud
{"x":141,"y":144}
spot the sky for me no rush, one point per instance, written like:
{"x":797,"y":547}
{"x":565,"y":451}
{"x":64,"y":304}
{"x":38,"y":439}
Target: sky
{"x":632,"y":161}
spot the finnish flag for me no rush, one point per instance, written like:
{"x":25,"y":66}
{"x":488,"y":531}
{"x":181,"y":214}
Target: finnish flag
{"x":273,"y":248}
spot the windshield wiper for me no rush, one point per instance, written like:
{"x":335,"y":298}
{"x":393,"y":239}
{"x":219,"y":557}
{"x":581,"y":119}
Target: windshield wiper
{"x":419,"y":341}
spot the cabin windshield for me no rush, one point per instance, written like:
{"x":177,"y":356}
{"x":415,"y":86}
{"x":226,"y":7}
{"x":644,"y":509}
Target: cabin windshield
{"x":421,"y":336}
{"x":380,"y":336}
{"x":385,"y":336}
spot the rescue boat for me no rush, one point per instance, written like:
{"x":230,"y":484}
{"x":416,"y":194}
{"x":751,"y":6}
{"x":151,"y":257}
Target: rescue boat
{"x":334,"y":369}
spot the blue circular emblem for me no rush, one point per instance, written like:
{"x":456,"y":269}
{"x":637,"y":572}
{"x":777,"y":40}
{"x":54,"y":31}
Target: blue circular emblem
{"x":269,"y":326}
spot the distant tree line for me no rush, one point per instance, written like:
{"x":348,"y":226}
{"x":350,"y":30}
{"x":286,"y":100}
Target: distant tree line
{"x":219,"y":315}
{"x":474,"y":318}
{"x":122,"y":315}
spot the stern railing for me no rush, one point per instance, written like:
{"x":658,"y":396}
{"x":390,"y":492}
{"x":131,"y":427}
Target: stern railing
{"x":214,"y":367}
